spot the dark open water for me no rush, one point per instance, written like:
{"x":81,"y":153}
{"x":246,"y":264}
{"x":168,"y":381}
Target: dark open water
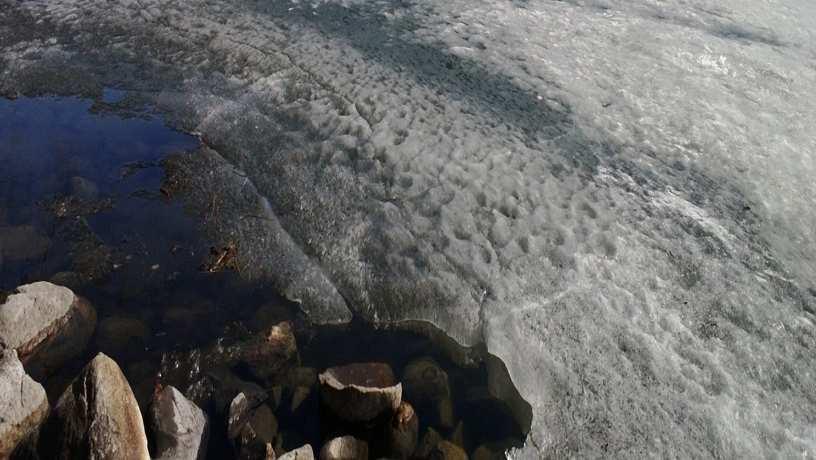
{"x":81,"y":203}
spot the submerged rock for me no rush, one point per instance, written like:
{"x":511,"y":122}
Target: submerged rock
{"x":301,"y":380}
{"x":425,"y":382}
{"x":84,"y":189}
{"x":119,"y":334}
{"x":96,"y":417}
{"x":445,"y":413}
{"x":272,"y":353}
{"x":47,"y":325}
{"x":403,"y":432}
{"x":427,"y":446}
{"x":301,"y":453}
{"x":71,"y":280}
{"x":360,"y":392}
{"x":23,"y":403}
{"x":22,"y":242}
{"x":485,"y":452}
{"x":180,"y":427}
{"x":344,"y":448}
{"x":251,"y":428}
{"x":446,"y":450}
{"x":458,"y":435}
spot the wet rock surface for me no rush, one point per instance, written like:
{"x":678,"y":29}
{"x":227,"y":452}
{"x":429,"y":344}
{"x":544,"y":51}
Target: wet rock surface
{"x":23,"y":405}
{"x":96,"y":417}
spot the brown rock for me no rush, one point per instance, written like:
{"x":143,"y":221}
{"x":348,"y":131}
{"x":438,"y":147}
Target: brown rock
{"x":344,"y":448}
{"x":96,"y":417}
{"x":447,"y":450}
{"x":360,"y":392}
{"x":425,"y":382}
{"x":251,"y":429}
{"x":458,"y":435}
{"x":47,"y":325}
{"x":23,"y":404}
{"x":485,"y":452}
{"x":427,"y":446}
{"x":301,"y":380}
{"x":445,"y":413}
{"x":299,"y":394}
{"x":403,"y":432}
{"x":272,"y":353}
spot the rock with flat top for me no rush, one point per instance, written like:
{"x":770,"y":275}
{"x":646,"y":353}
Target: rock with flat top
{"x":23,"y":404}
{"x":47,"y":325}
{"x":360,"y":392}
{"x":96,"y":417}
{"x":179,"y":426}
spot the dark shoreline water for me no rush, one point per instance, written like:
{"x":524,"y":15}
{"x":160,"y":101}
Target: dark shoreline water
{"x":82,"y":204}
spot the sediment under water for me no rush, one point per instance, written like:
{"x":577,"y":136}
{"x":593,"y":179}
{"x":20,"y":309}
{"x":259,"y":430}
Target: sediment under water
{"x":82,"y":204}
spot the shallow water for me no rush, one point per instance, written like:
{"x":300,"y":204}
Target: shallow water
{"x":82,"y":203}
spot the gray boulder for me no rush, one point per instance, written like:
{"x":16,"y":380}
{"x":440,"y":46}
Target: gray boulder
{"x":96,"y":417}
{"x":47,"y":325}
{"x":23,"y":405}
{"x":179,"y":426}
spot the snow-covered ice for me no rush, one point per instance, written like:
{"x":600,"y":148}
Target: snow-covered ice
{"x":617,"y":197}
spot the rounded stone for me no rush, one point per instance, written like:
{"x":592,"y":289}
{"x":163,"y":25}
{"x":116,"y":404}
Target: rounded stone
{"x":344,"y":448}
{"x":425,"y":382}
{"x":47,"y":325}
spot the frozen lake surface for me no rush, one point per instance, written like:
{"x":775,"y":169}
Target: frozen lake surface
{"x":615,"y":197}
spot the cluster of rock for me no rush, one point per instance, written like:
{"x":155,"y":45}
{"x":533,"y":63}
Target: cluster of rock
{"x":43,"y":325}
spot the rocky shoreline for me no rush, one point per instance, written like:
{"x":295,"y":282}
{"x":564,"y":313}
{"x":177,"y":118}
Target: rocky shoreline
{"x":368,"y":412}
